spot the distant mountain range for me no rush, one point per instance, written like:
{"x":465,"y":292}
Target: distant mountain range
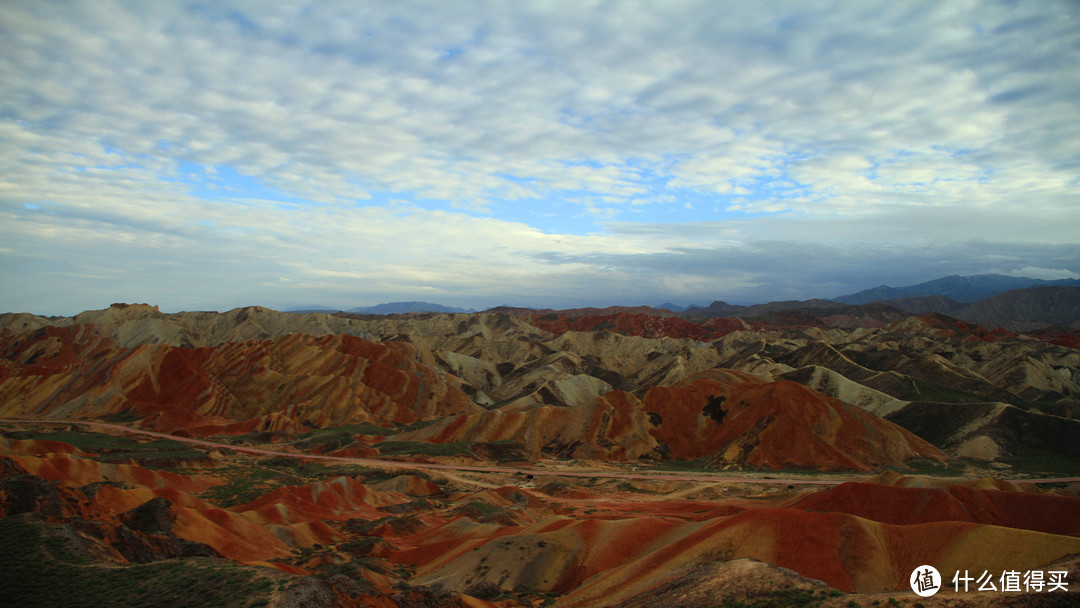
{"x":397,"y":308}
{"x":388,"y":308}
{"x":1016,"y":310}
{"x":961,"y":289}
{"x":1015,"y":303}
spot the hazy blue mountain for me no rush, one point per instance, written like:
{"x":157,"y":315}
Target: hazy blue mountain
{"x":961,"y":289}
{"x":674,"y":307}
{"x":1025,"y":309}
{"x":394,"y":308}
{"x":723,"y":309}
{"x":926,"y":304}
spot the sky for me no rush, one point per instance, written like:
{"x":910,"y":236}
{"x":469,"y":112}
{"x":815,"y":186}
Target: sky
{"x":208,"y":155}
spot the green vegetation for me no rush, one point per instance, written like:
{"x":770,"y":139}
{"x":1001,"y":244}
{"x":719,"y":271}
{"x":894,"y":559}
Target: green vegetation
{"x":246,"y":483}
{"x":422,"y":448}
{"x":156,"y":453}
{"x":932,"y":468}
{"x":253,"y":438}
{"x":334,"y":438}
{"x":123,"y":417}
{"x":316,"y":471}
{"x":250,"y":480}
{"x":696,"y":465}
{"x":702,"y":465}
{"x":784,"y":598}
{"x":90,"y":442}
{"x":1042,"y":462}
{"x":41,"y":566}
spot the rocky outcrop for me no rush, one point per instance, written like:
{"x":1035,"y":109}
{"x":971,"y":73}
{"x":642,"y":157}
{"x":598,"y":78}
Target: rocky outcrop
{"x":728,"y":418}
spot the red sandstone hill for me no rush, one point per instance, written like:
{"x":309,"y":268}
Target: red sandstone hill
{"x":602,"y":546}
{"x":724,"y":416}
{"x":596,"y":562}
{"x":65,"y":372}
{"x":498,"y":360}
{"x":368,"y":540}
{"x":737,"y":418}
{"x":906,"y":506}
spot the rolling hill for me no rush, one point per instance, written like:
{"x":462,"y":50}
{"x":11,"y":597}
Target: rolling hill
{"x":519,"y":457}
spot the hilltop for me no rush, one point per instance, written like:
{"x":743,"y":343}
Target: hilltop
{"x":521,"y":457}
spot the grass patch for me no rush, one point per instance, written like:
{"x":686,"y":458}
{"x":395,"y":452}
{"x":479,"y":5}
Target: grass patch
{"x":123,"y":417}
{"x":1042,"y":462}
{"x":317,"y":471}
{"x":422,"y":448}
{"x":156,"y":453}
{"x":699,"y":465}
{"x":931,"y":468}
{"x":242,"y":439}
{"x":89,"y":442}
{"x":333,"y":438}
{"x":40,"y":567}
{"x":246,"y":483}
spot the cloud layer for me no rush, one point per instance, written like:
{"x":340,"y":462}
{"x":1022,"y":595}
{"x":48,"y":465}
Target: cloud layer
{"x":221,"y":154}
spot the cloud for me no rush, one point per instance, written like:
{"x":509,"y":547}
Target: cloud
{"x":196,"y":152}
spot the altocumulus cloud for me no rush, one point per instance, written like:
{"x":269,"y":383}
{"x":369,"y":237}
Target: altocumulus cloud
{"x":206,"y":155}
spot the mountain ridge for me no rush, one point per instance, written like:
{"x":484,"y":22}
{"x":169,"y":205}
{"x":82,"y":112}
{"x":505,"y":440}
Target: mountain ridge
{"x":493,"y":413}
{"x":1026,"y":309}
{"x":385,"y":308}
{"x":965,"y":289}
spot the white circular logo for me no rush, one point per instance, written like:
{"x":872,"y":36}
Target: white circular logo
{"x":925,"y":581}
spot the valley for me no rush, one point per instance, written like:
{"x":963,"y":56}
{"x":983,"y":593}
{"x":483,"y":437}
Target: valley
{"x":509,"y":458}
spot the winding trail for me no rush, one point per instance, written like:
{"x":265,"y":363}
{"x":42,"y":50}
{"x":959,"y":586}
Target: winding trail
{"x":394,"y":464}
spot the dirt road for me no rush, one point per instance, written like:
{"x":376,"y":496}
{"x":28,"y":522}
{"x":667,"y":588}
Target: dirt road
{"x":830,"y":480}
